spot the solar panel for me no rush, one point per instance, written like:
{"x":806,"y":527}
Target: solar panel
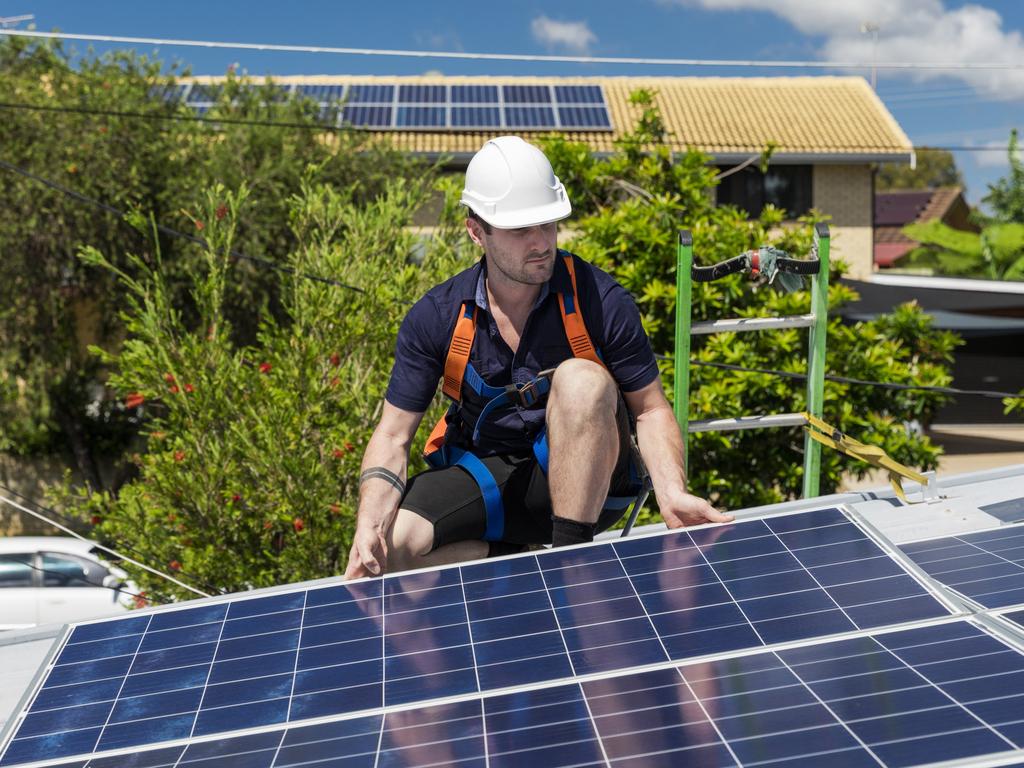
{"x":474,"y":94}
{"x":352,"y":648}
{"x":583,"y":117}
{"x":420,"y":117}
{"x":986,"y":567}
{"x":321,"y":93}
{"x":910,"y":697}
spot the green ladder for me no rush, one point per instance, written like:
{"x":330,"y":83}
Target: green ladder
{"x":817,"y":321}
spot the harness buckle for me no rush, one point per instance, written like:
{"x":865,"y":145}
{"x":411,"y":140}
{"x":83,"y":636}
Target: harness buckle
{"x":532,"y":392}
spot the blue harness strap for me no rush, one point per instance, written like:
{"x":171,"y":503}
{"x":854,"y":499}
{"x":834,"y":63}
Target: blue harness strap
{"x":540,"y":452}
{"x":488,"y":489}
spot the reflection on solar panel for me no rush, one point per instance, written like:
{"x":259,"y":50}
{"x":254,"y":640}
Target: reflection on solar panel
{"x":941,"y":692}
{"x":445,"y":107}
{"x":987,"y":567}
{"x":411,"y":638}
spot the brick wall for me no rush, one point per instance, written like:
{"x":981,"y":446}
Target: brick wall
{"x":844,"y":192}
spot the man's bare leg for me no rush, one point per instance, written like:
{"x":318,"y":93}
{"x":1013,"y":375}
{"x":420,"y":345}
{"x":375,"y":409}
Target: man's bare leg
{"x":583,"y":439}
{"x":410,"y":539}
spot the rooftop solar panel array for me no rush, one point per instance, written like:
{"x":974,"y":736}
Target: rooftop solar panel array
{"x":439,"y":107}
{"x":409,"y":639}
{"x":909,"y":697}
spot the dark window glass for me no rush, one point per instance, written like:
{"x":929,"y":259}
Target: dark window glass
{"x":784,"y":186}
{"x":15,"y":571}
{"x":71,"y":571}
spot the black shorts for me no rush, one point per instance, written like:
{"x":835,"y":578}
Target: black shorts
{"x":451,"y":499}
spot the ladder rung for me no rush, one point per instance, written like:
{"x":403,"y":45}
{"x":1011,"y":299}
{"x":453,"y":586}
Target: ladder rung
{"x":748,"y":422}
{"x":739,"y":324}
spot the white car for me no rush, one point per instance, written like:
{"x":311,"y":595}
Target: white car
{"x":56,"y":580}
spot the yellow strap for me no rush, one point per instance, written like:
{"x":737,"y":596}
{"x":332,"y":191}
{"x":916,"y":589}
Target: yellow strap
{"x":828,"y":435}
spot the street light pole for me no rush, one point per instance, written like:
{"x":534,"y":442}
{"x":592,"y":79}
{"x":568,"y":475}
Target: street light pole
{"x":872,"y":27}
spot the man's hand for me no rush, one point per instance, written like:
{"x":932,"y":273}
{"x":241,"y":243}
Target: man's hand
{"x":682,"y":509}
{"x":369,"y":555}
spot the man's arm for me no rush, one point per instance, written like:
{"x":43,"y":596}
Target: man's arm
{"x":661,"y":446}
{"x":381,"y":484}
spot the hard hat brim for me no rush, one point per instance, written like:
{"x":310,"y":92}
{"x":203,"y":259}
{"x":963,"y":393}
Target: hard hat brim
{"x":531,"y":217}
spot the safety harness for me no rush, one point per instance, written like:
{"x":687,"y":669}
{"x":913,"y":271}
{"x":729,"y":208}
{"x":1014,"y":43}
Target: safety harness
{"x":440,"y":450}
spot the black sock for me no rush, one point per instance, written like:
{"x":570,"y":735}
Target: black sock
{"x":565,"y":532}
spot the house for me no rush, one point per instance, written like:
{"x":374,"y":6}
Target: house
{"x":827,"y":132}
{"x":895,"y":209}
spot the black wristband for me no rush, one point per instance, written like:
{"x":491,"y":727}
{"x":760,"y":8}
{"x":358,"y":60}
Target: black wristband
{"x":384,"y":474}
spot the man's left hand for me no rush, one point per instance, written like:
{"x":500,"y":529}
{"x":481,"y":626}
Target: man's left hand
{"x":681,"y":509}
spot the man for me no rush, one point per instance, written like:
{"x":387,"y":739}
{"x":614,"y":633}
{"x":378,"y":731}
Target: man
{"x":514,"y":315}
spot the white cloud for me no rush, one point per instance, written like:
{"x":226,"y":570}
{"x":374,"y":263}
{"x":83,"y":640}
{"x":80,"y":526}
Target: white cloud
{"x":574,"y":36}
{"x":919,"y":31}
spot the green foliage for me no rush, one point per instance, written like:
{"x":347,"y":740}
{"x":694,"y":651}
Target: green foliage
{"x":996,"y":253}
{"x":631,"y":205}
{"x":934,"y":168}
{"x":149,"y":155}
{"x":249,"y":473}
{"x":1006,"y":196}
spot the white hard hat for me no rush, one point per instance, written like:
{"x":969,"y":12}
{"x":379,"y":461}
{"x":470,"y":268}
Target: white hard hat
{"x":510,"y":184}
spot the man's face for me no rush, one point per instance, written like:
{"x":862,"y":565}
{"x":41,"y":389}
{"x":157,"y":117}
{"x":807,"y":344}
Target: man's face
{"x":524,"y":255}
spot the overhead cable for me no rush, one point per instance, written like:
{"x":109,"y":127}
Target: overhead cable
{"x":645,"y":61}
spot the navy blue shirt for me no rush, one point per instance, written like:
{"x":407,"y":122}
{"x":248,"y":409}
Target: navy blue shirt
{"x":610,"y":315}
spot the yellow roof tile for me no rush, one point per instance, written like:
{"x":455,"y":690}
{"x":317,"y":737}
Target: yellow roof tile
{"x":827,"y":116}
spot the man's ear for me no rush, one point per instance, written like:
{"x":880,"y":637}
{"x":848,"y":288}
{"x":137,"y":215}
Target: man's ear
{"x":476,"y":233}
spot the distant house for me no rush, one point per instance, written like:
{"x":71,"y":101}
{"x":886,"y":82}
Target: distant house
{"x":828,"y":132}
{"x":895,"y":209}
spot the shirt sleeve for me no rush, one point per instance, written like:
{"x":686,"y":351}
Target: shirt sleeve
{"x":626,"y":350}
{"x":419,"y":358}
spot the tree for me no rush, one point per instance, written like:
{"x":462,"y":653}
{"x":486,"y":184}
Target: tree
{"x":248,"y":475}
{"x":1006,"y":196}
{"x":934,"y":168}
{"x":996,"y":253}
{"x":630,"y":205}
{"x":100,"y":129}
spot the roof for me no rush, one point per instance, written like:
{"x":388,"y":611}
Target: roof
{"x":895,"y":209}
{"x":839,"y":119}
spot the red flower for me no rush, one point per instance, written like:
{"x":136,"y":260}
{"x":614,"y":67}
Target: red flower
{"x":267,"y":525}
{"x":134,"y":400}
{"x":199,"y":225}
{"x":335,"y":359}
{"x":179,"y":455}
{"x":222,"y":211}
{"x":95,"y":519}
{"x":173,"y":389}
{"x":297,"y":524}
{"x":335,"y":509}
{"x":335,"y":382}
{"x":174,"y":565}
{"x":236,"y":498}
{"x":265,"y":367}
{"x":169,"y":377}
{"x":338,"y":453}
{"x":349,"y":447}
{"x":140,"y":600}
{"x":189,"y":389}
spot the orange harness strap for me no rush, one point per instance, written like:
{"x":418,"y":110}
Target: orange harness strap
{"x":458,"y":353}
{"x":572,"y":319}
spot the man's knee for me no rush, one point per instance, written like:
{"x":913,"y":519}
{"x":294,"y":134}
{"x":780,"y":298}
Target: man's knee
{"x":410,"y":538}
{"x":582,"y":387}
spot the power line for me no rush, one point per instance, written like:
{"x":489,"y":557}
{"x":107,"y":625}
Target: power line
{"x":673,"y":62}
{"x":173,"y":232}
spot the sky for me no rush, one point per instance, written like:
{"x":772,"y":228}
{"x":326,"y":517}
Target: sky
{"x":959,"y":108}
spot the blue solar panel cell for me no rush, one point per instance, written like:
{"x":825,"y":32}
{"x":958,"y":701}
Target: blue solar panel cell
{"x":529,"y":117}
{"x":371,"y":94}
{"x":422,"y":94}
{"x":420,"y":117}
{"x":584,"y":117}
{"x":474,"y":94}
{"x":447,"y":734}
{"x":579,"y":94}
{"x":367,"y":117}
{"x":322,"y":93}
{"x":526,"y":94}
{"x":476,"y":117}
{"x":157,"y":758}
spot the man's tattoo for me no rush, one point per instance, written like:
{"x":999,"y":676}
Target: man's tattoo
{"x":384,"y":474}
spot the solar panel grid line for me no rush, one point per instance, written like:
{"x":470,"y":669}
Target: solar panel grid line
{"x":707,"y":715}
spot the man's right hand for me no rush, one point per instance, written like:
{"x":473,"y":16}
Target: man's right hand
{"x":369,"y":553}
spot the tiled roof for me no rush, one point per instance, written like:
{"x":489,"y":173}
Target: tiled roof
{"x":835,"y":117}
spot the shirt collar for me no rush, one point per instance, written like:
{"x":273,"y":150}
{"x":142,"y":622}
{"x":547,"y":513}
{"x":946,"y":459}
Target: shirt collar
{"x":559,"y":281}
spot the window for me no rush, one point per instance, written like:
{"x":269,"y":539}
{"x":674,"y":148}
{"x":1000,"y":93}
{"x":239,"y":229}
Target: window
{"x":15,"y":571}
{"x":71,"y":571}
{"x":784,"y":186}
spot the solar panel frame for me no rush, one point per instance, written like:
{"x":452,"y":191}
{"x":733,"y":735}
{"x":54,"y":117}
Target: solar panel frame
{"x":591,"y":642}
